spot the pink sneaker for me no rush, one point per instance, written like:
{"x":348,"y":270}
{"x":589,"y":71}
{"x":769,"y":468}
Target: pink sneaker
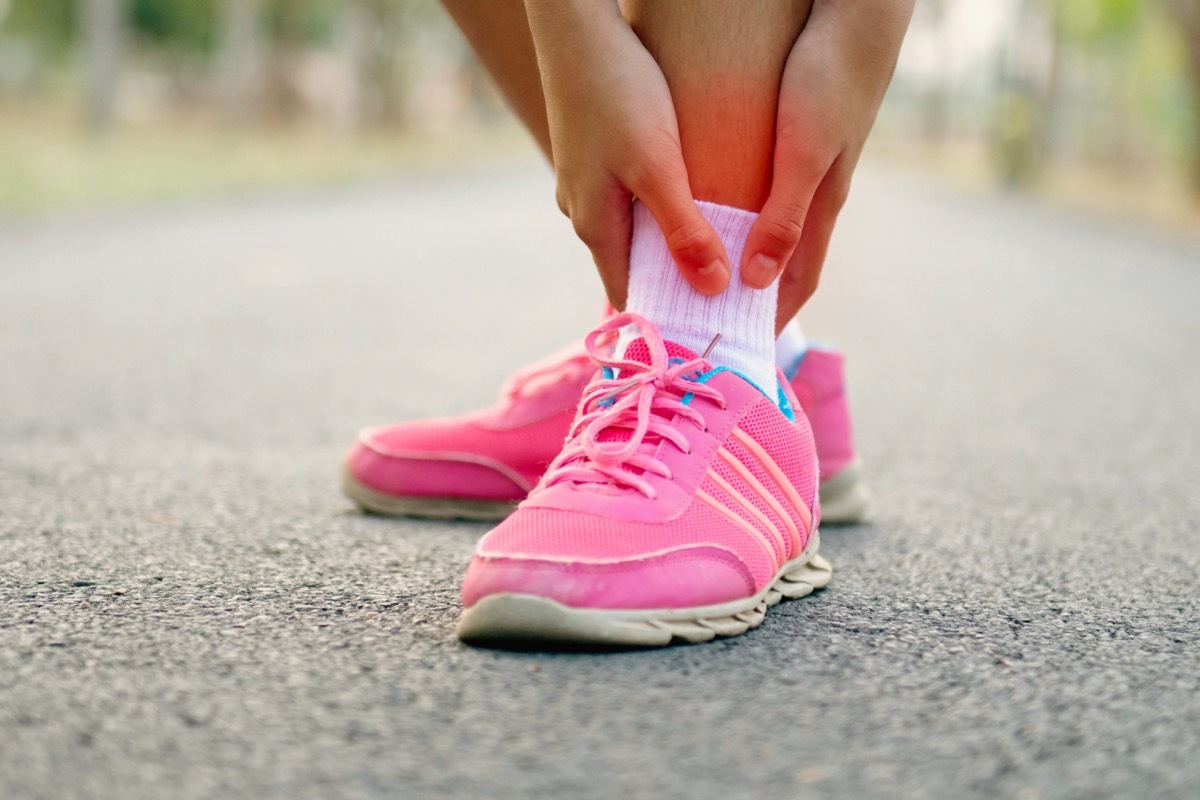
{"x":474,"y":467}
{"x":819,"y":381}
{"x":682,"y":505}
{"x":481,"y":465}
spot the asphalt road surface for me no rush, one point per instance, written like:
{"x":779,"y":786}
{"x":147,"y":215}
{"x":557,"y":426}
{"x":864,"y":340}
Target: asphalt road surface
{"x":189,"y":609}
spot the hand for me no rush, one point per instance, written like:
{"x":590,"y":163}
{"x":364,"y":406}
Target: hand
{"x":832,"y":86}
{"x":614,"y":137}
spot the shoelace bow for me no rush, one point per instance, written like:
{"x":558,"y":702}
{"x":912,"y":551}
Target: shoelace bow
{"x":644,"y":399}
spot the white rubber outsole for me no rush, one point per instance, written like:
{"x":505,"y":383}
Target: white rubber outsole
{"x":523,"y":618}
{"x":844,"y":498}
{"x":423,"y":507}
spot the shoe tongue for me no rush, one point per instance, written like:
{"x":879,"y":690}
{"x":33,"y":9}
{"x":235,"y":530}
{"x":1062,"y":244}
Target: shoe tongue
{"x":638,"y":351}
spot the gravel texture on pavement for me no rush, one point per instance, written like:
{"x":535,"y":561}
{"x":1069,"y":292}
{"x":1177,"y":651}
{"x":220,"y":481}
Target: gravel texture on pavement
{"x":188,"y":608}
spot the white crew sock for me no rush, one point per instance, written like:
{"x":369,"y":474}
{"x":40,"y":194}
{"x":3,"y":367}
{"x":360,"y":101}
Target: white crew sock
{"x":790,"y":345}
{"x":744,"y":317}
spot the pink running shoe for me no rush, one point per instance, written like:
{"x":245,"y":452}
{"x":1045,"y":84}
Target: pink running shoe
{"x":474,"y":467}
{"x":682,"y":505}
{"x":819,"y":382}
{"x":481,"y":465}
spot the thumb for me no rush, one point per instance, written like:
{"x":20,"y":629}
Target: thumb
{"x":776,"y":232}
{"x":694,"y":245}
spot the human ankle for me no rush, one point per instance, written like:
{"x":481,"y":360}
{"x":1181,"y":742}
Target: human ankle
{"x":744,"y":317}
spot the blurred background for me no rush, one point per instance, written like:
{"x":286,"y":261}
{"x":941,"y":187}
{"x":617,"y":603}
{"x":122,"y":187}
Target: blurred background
{"x":1090,"y":102}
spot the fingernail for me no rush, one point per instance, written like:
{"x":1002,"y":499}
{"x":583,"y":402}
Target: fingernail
{"x":762,"y":268}
{"x":711,"y":268}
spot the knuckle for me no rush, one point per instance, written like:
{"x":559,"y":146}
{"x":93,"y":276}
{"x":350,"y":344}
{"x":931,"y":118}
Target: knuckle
{"x":588,"y":232}
{"x":801,"y":148}
{"x":782,"y":230}
{"x":688,"y":239}
{"x":655,"y":167}
{"x":583,"y":230}
{"x":639,"y":175}
{"x":563,"y":205}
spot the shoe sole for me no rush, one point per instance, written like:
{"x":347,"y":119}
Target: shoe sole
{"x":373,"y":502}
{"x":530,"y":619}
{"x":844,"y":499}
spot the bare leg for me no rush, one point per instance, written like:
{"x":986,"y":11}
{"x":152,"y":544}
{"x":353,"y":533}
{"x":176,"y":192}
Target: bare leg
{"x":723,"y":62}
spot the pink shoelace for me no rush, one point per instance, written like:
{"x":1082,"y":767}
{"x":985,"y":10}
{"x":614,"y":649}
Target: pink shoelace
{"x":624,"y":419}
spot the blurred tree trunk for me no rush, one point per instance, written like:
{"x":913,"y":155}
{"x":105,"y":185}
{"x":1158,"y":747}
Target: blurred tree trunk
{"x":282,"y":98}
{"x":937,"y":100}
{"x":241,"y":55}
{"x":356,"y":26}
{"x":1017,"y":131}
{"x":373,"y":49}
{"x":392,"y":68}
{"x":102,"y":39}
{"x":1187,"y":14}
{"x":1049,"y":118}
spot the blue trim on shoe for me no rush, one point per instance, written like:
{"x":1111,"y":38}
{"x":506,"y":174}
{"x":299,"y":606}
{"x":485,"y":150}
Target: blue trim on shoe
{"x":609,"y":373}
{"x":781,"y":402}
{"x":784,"y":405}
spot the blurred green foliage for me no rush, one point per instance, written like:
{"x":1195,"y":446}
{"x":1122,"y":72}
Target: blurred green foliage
{"x":1116,"y":89}
{"x":1114,"y":83}
{"x":52,"y":23}
{"x":189,"y":25}
{"x":1099,"y":22}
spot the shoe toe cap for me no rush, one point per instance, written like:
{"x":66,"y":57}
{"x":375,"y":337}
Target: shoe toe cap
{"x":386,"y":465}
{"x":684,"y":578}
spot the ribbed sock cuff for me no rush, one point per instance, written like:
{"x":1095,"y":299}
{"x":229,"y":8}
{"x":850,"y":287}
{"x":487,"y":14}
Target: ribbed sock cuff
{"x":744,"y":317}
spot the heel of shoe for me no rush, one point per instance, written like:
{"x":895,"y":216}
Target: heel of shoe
{"x":844,"y":498}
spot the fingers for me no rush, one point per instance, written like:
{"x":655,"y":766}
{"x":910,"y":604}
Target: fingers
{"x":799,"y":280}
{"x":607,"y":230}
{"x":774,"y":236}
{"x":664,"y":189}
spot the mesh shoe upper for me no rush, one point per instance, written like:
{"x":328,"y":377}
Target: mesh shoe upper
{"x":501,"y":452}
{"x":498,"y":453}
{"x":679,"y":485}
{"x":820,"y":386}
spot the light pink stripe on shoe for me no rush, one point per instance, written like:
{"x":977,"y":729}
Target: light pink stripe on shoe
{"x":772,"y":469}
{"x":729,"y":460}
{"x":747,"y":507}
{"x":711,"y":501}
